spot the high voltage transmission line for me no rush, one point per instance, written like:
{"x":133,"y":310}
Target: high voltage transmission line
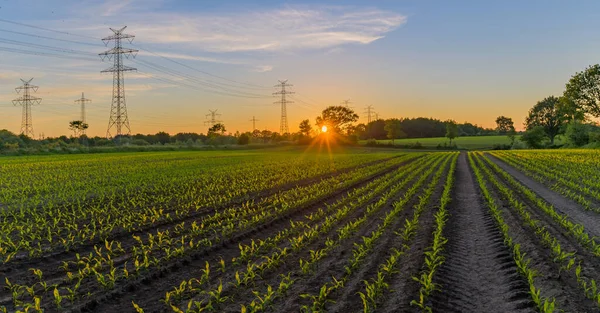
{"x":118,"y":117}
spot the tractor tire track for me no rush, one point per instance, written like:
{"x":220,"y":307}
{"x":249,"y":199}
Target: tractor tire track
{"x":479,"y":274}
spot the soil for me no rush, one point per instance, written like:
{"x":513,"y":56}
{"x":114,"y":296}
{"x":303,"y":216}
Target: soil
{"x":479,"y":274}
{"x":149,"y":292}
{"x":576,"y":213}
{"x":549,"y":279}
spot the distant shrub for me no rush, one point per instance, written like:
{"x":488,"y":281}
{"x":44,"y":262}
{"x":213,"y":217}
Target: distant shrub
{"x":371,"y":142}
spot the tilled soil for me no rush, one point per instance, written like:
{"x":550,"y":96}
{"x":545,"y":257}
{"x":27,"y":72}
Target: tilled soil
{"x":479,"y":274}
{"x":590,"y":220}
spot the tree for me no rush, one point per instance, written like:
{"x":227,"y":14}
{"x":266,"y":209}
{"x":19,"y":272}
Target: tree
{"x":393,"y":127}
{"x":77,"y":127}
{"x":584,"y":90}
{"x":305,"y":128}
{"x":337,"y":118}
{"x":451,"y":130}
{"x":243,"y":139}
{"x":577,"y":133}
{"x":217,"y":129}
{"x":505,"y":126}
{"x":550,"y":115}
{"x":534,"y":136}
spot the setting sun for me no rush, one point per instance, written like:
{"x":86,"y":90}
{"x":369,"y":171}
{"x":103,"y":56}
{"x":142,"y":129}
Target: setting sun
{"x":324,"y":129}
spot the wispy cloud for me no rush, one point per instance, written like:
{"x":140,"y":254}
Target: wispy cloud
{"x":271,"y":30}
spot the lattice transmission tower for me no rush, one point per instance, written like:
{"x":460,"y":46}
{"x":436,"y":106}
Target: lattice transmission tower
{"x":370,"y":113}
{"x":82,"y":101}
{"x":212,"y":118}
{"x":253,"y":120}
{"x":283,"y":126}
{"x":118,"y":110}
{"x":26,"y":100}
{"x":346,"y":103}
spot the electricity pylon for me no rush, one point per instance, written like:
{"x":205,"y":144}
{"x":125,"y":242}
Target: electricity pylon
{"x":253,"y":120}
{"x":213,"y":118}
{"x":82,"y":102}
{"x":118,"y":110}
{"x":283,"y":125}
{"x":346,"y":103}
{"x":26,"y":101}
{"x":369,"y":112}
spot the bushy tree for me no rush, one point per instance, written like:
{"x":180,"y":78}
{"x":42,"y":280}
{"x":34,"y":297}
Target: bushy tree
{"x":217,"y":129}
{"x":577,"y":134}
{"x":337,"y":118}
{"x":243,"y":139}
{"x":534,"y":137}
{"x":393,"y":127}
{"x":505,"y":126}
{"x":549,"y":114}
{"x":305,"y":128}
{"x":451,"y":130}
{"x":584,"y":90}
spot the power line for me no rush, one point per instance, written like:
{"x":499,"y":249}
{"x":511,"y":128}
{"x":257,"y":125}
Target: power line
{"x":203,"y":72}
{"x":118,"y":111}
{"x":283,"y":126}
{"x":26,"y":101}
{"x":60,"y":56}
{"x":46,"y":29}
{"x":50,"y":38}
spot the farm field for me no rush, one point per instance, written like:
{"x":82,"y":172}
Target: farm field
{"x":355,"y":230}
{"x":469,"y":143}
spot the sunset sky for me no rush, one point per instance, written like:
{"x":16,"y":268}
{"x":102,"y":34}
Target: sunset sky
{"x":462,"y":60}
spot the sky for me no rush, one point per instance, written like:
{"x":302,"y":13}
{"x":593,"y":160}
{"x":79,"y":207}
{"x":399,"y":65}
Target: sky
{"x":470,"y":61}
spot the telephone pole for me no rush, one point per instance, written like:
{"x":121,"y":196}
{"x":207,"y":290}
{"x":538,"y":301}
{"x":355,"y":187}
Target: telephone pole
{"x":369,"y":112}
{"x":213,"y":118}
{"x":253,"y":120}
{"x":283,"y":125}
{"x":26,"y":101}
{"x":118,"y":110}
{"x":82,"y":102}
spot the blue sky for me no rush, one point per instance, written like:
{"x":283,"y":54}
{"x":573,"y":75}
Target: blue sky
{"x":464,"y":60}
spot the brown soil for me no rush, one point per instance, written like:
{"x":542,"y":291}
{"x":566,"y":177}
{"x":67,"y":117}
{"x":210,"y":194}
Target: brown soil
{"x":479,"y":274}
{"x":562,"y":205}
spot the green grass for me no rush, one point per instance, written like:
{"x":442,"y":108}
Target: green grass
{"x":471,"y":143}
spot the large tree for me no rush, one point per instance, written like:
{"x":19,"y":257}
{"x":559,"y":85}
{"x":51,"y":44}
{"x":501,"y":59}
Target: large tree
{"x":584,"y":90}
{"x":393,"y":127}
{"x":451,"y":130}
{"x":337,"y":118}
{"x":550,"y":115}
{"x":305,"y":128}
{"x":506,"y":126}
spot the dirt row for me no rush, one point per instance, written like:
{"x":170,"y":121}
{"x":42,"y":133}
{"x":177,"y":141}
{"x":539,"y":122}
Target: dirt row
{"x":149,"y":291}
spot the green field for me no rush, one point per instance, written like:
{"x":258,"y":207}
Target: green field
{"x":469,"y":143}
